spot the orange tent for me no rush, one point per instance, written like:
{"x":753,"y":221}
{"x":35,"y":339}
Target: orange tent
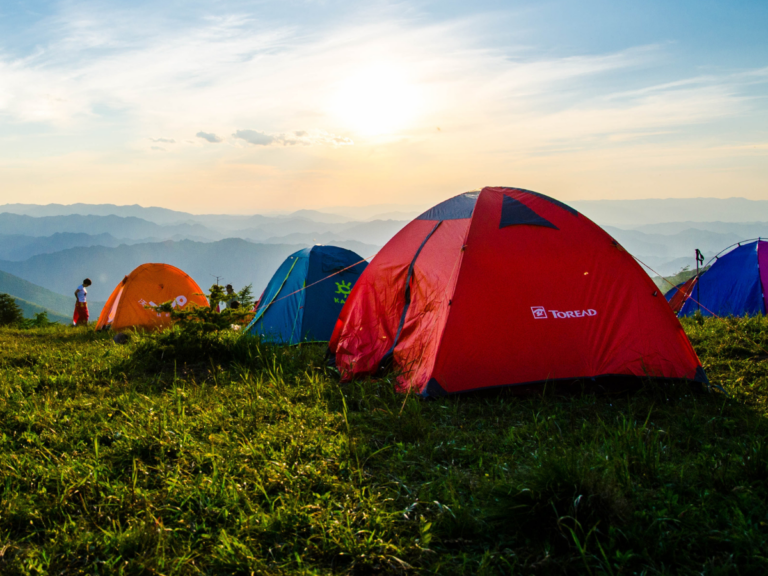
{"x":149,"y":285}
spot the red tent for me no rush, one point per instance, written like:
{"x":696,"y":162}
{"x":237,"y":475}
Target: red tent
{"x":504,"y":287}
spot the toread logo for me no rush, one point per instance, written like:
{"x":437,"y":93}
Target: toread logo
{"x":540,"y":313}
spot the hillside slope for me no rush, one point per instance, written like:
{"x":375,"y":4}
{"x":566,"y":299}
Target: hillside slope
{"x":30,"y":309}
{"x":37,"y":295}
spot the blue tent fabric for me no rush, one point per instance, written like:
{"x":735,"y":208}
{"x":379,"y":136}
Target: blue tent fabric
{"x":731,"y":287}
{"x":288,"y":313}
{"x":455,"y":208}
{"x":672,"y":291}
{"x":515,"y":213}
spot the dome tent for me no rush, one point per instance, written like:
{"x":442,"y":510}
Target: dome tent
{"x":288,"y":313}
{"x":507,"y":287}
{"x":734,"y":283}
{"x":148,"y":285}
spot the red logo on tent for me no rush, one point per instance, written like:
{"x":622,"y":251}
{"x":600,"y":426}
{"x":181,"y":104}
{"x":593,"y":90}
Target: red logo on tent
{"x":538,"y":312}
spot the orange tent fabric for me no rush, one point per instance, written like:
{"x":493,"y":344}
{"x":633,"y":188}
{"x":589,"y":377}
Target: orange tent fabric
{"x":149,"y":285}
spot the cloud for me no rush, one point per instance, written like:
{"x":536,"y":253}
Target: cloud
{"x":296,"y":138}
{"x":158,"y":148}
{"x":212,"y":138}
{"x":503,"y":106}
{"x":215,"y":70}
{"x":254,"y":137}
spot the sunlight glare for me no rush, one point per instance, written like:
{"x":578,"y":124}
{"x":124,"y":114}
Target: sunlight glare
{"x":377,"y":100}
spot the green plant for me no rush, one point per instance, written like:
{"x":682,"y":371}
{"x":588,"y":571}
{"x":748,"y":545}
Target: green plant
{"x":216,"y":295}
{"x":39,"y":321}
{"x":245,"y":297}
{"x":10,"y":313}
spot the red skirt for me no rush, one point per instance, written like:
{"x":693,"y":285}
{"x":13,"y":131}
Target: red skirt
{"x":81,"y":314}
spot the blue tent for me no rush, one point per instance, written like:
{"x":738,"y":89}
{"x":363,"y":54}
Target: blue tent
{"x":733,"y":286}
{"x":288,"y":313}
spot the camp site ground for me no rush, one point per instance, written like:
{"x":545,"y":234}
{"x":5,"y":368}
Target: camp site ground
{"x":145,"y":458}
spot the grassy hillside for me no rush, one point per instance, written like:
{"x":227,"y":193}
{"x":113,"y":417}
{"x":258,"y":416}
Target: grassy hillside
{"x":37,"y":295}
{"x":175,"y":456}
{"x":30,"y":309}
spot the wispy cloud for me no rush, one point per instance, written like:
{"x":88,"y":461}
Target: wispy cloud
{"x":295,"y":98}
{"x":235,"y":70}
{"x":297,"y":138}
{"x":208,"y":137}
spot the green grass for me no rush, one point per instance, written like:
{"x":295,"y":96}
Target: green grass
{"x":152,"y":458}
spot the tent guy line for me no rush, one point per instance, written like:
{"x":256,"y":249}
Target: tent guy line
{"x":314,"y":312}
{"x":303,"y":288}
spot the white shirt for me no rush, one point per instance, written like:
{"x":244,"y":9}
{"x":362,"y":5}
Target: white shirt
{"x":82,"y":293}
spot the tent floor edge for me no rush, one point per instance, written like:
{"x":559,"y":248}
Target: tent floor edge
{"x":434,"y":390}
{"x":569,"y":385}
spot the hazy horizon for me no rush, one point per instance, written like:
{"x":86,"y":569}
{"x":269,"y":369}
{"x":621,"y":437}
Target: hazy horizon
{"x":343,"y":210}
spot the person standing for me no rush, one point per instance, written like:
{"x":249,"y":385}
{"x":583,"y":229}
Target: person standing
{"x":80,"y":317}
{"x":231,"y":297}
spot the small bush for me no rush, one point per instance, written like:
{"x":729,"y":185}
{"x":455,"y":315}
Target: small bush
{"x":39,"y":321}
{"x":183,"y":345}
{"x":10,"y":313}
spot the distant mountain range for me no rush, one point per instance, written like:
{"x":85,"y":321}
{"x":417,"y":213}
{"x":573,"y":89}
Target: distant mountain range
{"x":18,"y":247}
{"x":56,"y":246}
{"x":634,"y":213}
{"x":123,"y":227}
{"x":164,"y":216}
{"x":621,"y":213}
{"x":234,"y":261}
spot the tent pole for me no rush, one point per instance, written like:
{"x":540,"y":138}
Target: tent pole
{"x":698,"y":295}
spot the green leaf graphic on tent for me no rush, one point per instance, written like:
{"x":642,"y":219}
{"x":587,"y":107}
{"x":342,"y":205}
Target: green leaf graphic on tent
{"x":343,"y":288}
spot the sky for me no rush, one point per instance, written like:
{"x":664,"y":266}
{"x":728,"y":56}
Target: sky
{"x":229,"y":106}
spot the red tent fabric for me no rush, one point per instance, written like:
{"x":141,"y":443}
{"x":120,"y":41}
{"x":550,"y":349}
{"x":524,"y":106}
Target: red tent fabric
{"x":681,"y":293}
{"x":506,"y":287}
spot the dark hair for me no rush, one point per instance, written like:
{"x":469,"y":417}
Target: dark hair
{"x":87,"y":282}
{"x":235,"y":305}
{"x":229,"y":287}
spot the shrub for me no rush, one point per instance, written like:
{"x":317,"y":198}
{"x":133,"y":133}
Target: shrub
{"x":10,"y":313}
{"x":39,"y":321}
{"x":193,"y":344}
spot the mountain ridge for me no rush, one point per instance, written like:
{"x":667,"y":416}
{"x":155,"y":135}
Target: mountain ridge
{"x":233,"y":260}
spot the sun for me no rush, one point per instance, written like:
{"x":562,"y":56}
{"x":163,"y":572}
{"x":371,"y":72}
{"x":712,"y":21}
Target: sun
{"x":376,"y":100}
